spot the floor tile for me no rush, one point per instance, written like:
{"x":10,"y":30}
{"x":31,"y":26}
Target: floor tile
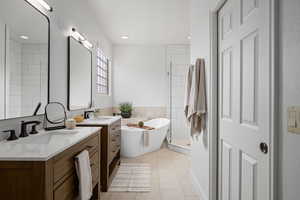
{"x":171,"y":179}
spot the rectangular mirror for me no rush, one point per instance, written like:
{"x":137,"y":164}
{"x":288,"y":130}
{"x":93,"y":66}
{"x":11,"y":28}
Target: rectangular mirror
{"x":24,"y":59}
{"x":80,"y":76}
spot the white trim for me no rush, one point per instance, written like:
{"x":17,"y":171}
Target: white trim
{"x":274,"y":147}
{"x":197,"y":187}
{"x":213,"y":109}
{"x":180,"y":149}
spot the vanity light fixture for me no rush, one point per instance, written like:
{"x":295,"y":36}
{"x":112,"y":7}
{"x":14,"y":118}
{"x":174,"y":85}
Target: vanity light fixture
{"x":42,"y":3}
{"x":87,"y":44}
{"x":124,"y":37}
{"x":79,"y":37}
{"x":189,"y":37}
{"x":24,"y":37}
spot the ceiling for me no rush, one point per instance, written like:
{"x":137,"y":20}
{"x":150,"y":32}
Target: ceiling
{"x":144,"y":21}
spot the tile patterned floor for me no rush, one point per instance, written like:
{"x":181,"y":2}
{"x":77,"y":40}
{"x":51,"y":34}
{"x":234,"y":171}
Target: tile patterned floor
{"x":171,"y":179}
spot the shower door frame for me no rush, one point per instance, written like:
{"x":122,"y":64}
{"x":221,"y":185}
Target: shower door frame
{"x":170,"y":137}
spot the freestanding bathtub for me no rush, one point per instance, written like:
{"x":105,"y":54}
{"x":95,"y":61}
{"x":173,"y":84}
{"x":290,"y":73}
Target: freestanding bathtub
{"x":133,"y":138}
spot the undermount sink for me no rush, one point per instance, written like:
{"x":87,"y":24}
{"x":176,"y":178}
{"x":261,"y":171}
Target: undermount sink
{"x":46,"y":138}
{"x":42,"y":139}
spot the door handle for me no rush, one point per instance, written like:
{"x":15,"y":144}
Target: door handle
{"x":264,"y":147}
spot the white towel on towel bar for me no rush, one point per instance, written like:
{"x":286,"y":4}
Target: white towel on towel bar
{"x":84,"y":173}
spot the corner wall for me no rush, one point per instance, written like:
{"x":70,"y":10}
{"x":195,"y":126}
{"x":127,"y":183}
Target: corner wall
{"x":140,"y":77}
{"x":200,"y":48}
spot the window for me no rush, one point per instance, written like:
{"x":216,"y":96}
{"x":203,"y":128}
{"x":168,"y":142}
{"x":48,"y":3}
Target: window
{"x":102,"y":81}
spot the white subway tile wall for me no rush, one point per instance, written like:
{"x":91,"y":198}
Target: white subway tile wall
{"x":34,"y":77}
{"x":14,"y":80}
{"x":27,"y":78}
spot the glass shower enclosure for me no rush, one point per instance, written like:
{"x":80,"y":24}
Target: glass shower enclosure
{"x":178,"y":60}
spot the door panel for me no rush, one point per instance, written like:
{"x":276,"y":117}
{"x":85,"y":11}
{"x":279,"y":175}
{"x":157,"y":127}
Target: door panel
{"x":249,"y":79}
{"x":226,"y":171}
{"x":226,"y":83}
{"x":248,"y":177}
{"x":244,"y":99}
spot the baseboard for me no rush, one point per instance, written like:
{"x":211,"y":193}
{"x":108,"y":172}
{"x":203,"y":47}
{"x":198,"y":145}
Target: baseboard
{"x":198,"y":187}
{"x":180,"y":149}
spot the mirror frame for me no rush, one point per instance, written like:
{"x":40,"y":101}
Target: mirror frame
{"x":48,"y":68}
{"x":69,"y":70}
{"x":46,"y":116}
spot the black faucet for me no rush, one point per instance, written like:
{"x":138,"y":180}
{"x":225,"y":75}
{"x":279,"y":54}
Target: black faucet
{"x":24,"y":127}
{"x":86,"y":114}
{"x":12,"y":135}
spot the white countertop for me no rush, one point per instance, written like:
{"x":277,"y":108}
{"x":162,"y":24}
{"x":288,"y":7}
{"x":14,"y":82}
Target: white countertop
{"x":101,"y":121}
{"x":44,"y":145}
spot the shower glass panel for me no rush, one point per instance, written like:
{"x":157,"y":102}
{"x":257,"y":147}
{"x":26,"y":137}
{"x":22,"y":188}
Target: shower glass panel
{"x":178,"y":58}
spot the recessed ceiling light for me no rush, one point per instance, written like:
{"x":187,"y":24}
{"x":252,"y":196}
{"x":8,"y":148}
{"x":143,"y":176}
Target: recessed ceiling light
{"x":24,"y":37}
{"x":189,"y":37}
{"x":124,"y":37}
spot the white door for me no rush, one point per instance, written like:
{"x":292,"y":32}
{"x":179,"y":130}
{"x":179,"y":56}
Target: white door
{"x":244,"y":100}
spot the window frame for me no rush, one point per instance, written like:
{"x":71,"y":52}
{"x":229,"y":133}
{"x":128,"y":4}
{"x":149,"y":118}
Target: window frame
{"x":101,"y":59}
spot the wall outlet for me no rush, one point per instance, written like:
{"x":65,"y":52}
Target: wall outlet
{"x":294,"y":119}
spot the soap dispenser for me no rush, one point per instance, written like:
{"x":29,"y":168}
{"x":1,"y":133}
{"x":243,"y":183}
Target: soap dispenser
{"x":12,"y":135}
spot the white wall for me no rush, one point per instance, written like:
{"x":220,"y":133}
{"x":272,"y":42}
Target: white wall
{"x":140,"y":75}
{"x":68,"y":14}
{"x":290,"y":95}
{"x":200,"y":47}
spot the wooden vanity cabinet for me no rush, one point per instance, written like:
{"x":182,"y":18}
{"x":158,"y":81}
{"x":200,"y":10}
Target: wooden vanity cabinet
{"x":110,"y":151}
{"x":54,"y":179}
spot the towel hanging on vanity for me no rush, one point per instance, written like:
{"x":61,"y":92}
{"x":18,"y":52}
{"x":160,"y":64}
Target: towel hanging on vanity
{"x":195,"y":107}
{"x":84,"y":173}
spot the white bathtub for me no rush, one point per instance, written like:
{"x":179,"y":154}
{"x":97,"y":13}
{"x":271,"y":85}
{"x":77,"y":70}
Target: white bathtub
{"x":133,"y":138}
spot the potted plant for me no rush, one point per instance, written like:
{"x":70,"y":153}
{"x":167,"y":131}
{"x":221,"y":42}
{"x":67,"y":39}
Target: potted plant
{"x":126,"y":109}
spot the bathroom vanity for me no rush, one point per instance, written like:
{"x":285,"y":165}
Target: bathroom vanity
{"x":41,"y":167}
{"x":110,"y":146}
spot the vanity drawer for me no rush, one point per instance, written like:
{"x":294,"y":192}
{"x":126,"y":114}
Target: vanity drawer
{"x":115,"y":137}
{"x":115,"y":127}
{"x":68,"y":190}
{"x":64,"y":163}
{"x":94,"y":160}
{"x":115,"y":147}
{"x":92,"y":145}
